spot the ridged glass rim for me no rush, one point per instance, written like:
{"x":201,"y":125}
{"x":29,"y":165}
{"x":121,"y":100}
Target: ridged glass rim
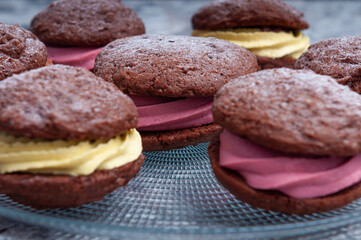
{"x":99,"y":229}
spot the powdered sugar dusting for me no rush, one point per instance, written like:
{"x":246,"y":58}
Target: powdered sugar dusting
{"x":293,"y":111}
{"x":337,"y":57}
{"x":172,"y":66}
{"x":63,"y":102}
{"x":20,"y":50}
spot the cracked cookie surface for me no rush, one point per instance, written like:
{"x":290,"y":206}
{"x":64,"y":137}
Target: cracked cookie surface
{"x":20,"y":50}
{"x":172,"y":66}
{"x":63,"y":102}
{"x":339,"y":58}
{"x":90,"y":23}
{"x":292,"y":111}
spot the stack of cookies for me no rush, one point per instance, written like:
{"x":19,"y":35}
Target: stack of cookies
{"x":281,"y":139}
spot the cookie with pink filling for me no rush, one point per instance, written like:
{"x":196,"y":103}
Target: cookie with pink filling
{"x":75,"y":30}
{"x":172,"y":80}
{"x":293,"y":147}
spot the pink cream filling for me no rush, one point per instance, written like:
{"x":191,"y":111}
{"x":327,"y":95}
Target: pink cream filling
{"x":161,"y":113}
{"x":296,"y":176}
{"x":83,"y":57}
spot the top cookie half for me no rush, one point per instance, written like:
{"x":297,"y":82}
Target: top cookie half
{"x":339,"y":58}
{"x":63,"y":102}
{"x":172,"y":66}
{"x":221,"y":14}
{"x":20,"y":50}
{"x":90,"y":23}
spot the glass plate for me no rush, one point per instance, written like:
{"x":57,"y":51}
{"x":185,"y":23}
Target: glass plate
{"x":176,"y":195}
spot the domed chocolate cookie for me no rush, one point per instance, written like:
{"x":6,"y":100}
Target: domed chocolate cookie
{"x":85,"y":22}
{"x":20,"y":50}
{"x":172,"y":80}
{"x":74,"y":31}
{"x":290,"y":143}
{"x":63,"y":102}
{"x":339,"y":58}
{"x":248,"y":13}
{"x":270,"y":29}
{"x":172,"y":66}
{"x":294,"y":111}
{"x":67,"y":137}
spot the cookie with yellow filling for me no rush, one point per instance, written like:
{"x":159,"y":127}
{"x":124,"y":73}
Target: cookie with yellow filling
{"x":66,"y":137}
{"x":268,"y":28}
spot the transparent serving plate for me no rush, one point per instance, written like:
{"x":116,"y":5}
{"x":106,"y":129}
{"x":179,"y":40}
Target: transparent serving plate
{"x":176,"y":195}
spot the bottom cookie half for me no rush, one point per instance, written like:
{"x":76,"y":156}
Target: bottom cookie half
{"x":167,"y":140}
{"x":58,"y":191}
{"x":268,"y":63}
{"x":274,"y":200}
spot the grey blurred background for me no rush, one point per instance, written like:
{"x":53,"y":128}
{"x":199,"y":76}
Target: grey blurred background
{"x":327,"y":18}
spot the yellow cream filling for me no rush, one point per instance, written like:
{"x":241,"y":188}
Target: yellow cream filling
{"x":261,"y":43}
{"x":20,"y":154}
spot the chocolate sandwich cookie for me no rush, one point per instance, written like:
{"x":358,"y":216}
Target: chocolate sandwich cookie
{"x":75,"y":30}
{"x":339,"y":58}
{"x":270,"y":29}
{"x":67,"y":137}
{"x":172,"y":80}
{"x":20,"y":50}
{"x":294,"y":147}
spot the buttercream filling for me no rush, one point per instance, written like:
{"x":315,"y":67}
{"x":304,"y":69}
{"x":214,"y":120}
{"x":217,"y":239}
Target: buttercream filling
{"x":161,"y":113}
{"x":83,"y":57}
{"x":21,"y":154}
{"x":296,"y":176}
{"x":262,"y":43}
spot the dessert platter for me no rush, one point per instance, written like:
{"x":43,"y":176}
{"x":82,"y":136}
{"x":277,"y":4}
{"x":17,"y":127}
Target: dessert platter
{"x":175,"y":196}
{"x":241,"y":129}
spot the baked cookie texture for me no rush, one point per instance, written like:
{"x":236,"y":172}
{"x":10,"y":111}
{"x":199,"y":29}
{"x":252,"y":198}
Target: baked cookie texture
{"x":172,"y":66}
{"x":64,"y":103}
{"x":269,"y":63}
{"x":85,"y":22}
{"x":248,"y":13}
{"x":244,"y":21}
{"x":77,"y":105}
{"x":292,"y":111}
{"x":20,"y":50}
{"x":297,"y":112}
{"x":167,"y":140}
{"x":339,"y":58}
{"x":53,"y":191}
{"x":274,"y":200}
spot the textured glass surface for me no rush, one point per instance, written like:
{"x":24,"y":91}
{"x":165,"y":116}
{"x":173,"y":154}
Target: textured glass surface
{"x":176,"y":194}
